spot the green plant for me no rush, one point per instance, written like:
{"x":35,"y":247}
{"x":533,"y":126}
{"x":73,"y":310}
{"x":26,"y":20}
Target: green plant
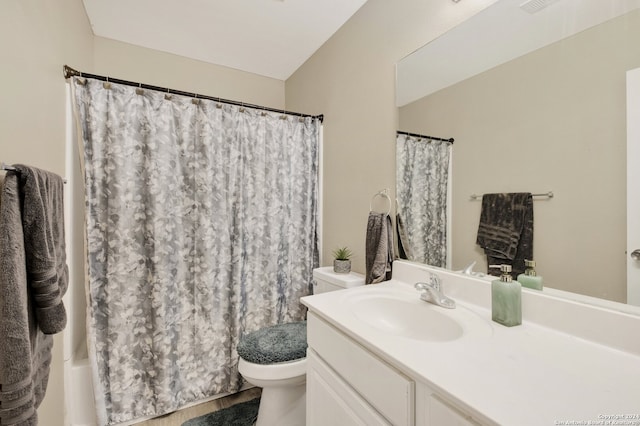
{"x":342,"y":253}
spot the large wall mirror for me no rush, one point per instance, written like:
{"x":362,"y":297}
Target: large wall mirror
{"x":536,"y":101}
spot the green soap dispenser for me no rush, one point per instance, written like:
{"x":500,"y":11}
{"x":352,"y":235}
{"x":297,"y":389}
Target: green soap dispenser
{"x":529,"y":278}
{"x":506,"y":298}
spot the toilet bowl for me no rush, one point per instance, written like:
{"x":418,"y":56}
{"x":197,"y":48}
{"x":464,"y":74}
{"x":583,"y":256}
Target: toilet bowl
{"x":273,"y":358}
{"x":283,"y":391}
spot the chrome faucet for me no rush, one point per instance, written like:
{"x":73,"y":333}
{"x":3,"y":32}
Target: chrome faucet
{"x":468,"y":270}
{"x":433,"y":292}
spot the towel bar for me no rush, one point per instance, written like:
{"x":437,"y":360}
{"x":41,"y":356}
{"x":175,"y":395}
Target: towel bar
{"x":475,"y":197}
{"x":6,"y":167}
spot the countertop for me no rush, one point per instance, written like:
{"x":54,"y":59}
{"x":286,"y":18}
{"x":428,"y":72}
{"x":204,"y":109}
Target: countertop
{"x":524,"y":375}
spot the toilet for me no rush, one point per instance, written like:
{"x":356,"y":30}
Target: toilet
{"x":273,"y":358}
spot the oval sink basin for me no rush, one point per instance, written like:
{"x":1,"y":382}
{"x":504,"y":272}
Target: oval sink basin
{"x":407,"y":318}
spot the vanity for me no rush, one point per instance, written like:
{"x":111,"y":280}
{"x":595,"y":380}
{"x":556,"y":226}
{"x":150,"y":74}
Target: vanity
{"x":379,"y":355}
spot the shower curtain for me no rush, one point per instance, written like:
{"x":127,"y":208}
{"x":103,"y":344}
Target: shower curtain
{"x":422,"y":173}
{"x":201,"y":225}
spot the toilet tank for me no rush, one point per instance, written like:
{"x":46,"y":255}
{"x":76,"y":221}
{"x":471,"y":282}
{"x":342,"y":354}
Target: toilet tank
{"x":324,"y":280}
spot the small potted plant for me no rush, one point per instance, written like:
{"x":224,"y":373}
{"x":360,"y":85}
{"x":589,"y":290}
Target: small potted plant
{"x":342,"y":260}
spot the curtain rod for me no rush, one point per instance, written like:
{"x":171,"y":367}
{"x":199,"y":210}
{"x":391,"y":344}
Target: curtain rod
{"x":70,"y":72}
{"x":433,"y":138}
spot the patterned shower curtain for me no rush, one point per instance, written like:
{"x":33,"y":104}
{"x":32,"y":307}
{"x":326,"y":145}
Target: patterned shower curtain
{"x":422,"y":173}
{"x":201,"y":225}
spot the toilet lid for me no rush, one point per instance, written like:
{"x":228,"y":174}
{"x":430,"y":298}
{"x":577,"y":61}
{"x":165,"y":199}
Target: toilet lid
{"x":278,"y":343}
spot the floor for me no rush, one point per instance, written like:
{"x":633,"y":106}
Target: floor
{"x":179,"y":417}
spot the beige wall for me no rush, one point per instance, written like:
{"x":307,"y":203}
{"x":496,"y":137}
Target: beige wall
{"x":37,"y":38}
{"x":551,"y":120}
{"x":128,"y":62}
{"x":351,"y":80}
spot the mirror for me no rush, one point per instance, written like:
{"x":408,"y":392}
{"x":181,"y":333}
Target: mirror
{"x":536,"y":102}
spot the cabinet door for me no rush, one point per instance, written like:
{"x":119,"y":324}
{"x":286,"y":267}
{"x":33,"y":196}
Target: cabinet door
{"x":387,"y":390}
{"x":441,"y":414}
{"x":330,"y":401}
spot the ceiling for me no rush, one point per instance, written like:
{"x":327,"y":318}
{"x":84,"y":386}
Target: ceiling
{"x":272,"y":38}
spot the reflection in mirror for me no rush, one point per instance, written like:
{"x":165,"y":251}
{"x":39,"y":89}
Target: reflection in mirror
{"x":422,"y":177}
{"x":550,"y":118}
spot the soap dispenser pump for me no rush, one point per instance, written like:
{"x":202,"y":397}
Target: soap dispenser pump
{"x":506,"y":298}
{"x":529,"y":278}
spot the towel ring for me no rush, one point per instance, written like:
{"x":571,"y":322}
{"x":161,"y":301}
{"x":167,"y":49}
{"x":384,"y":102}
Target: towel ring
{"x":383,"y":194}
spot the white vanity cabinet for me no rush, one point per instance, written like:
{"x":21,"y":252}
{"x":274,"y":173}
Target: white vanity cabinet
{"x":346,"y":381}
{"x":436,"y":411}
{"x":349,"y":385}
{"x":375,"y":358}
{"x":331,"y":401}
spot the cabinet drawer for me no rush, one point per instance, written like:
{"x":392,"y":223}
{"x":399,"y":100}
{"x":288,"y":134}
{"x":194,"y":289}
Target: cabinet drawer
{"x":390,"y":392}
{"x":442,"y":414}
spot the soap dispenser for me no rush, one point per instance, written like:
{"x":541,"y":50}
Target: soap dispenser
{"x":529,"y":278}
{"x":506,"y":298}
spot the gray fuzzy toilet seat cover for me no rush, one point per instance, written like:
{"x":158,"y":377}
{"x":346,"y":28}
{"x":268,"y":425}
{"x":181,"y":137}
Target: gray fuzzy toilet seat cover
{"x":278,"y":343}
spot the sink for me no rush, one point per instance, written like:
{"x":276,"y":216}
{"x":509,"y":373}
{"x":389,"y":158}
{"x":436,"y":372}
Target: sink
{"x":413,"y":319}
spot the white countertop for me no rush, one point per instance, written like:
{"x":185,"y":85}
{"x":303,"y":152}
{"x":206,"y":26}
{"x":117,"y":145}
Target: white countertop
{"x":523,"y":375}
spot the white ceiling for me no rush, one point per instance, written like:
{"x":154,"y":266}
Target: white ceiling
{"x":272,"y":38}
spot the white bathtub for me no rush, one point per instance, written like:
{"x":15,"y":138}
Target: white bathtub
{"x":78,"y":385}
{"x":79,"y":393}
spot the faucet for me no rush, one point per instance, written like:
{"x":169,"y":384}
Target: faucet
{"x":433,"y":292}
{"x":468,"y":270}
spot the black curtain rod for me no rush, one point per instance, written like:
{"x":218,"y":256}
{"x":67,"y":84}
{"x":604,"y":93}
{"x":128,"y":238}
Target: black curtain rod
{"x":70,"y":72}
{"x":433,"y":138}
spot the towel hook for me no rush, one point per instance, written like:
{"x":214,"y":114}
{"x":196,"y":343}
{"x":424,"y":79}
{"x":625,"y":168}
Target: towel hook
{"x":384,"y":194}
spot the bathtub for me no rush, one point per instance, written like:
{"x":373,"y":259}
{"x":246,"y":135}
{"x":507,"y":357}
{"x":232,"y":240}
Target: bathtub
{"x":78,"y":383}
{"x":79,"y":393}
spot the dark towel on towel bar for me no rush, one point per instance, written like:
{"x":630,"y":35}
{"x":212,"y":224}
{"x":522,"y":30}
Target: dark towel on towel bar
{"x":506,"y":230}
{"x":45,"y":255}
{"x":33,"y":279}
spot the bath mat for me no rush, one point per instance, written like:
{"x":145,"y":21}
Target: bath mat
{"x":242,"y":414}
